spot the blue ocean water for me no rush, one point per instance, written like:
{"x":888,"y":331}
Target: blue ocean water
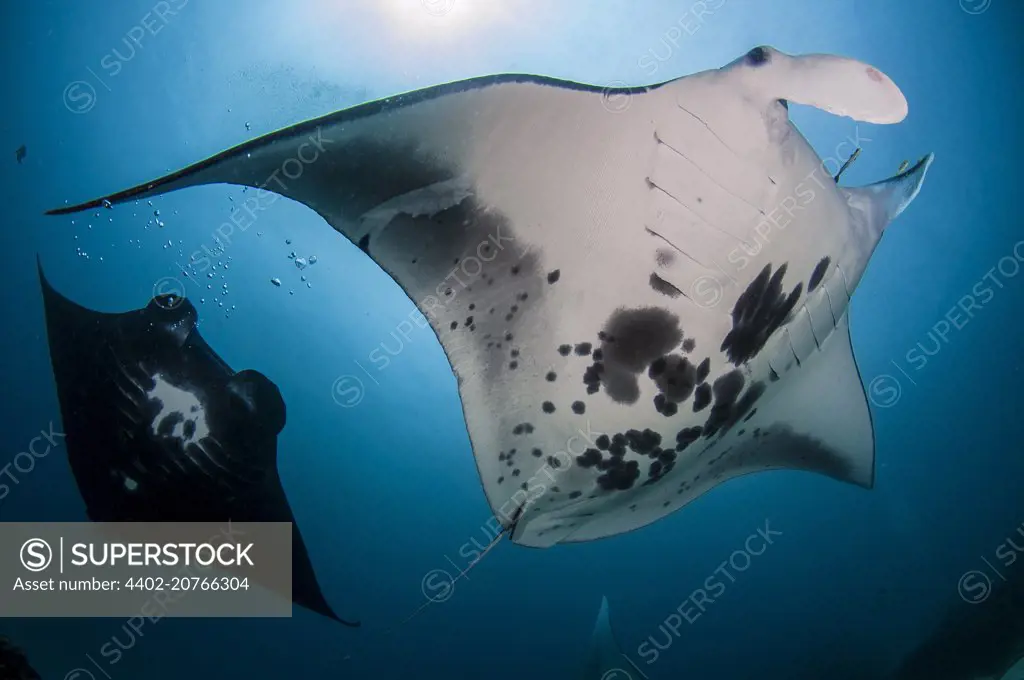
{"x":386,"y":491}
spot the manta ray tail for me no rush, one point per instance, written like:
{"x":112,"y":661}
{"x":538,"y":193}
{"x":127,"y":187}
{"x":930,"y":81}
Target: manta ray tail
{"x":449,"y":586}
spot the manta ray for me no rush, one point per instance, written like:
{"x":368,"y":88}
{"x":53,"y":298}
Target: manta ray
{"x":643,"y":292}
{"x":605,"y":661}
{"x":160,"y":429}
{"x":1015,"y":672}
{"x":976,"y":639}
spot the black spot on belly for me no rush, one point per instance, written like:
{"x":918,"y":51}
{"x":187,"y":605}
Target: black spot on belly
{"x":548,"y":407}
{"x":664,"y":406}
{"x":702,"y":397}
{"x":620,"y":477}
{"x":602,"y":442}
{"x":631,"y":340}
{"x":589,"y":458}
{"x":564,"y":350}
{"x":703,"y":370}
{"x":592,"y":376}
{"x":728,"y":411}
{"x":819,"y":273}
{"x":760,"y":310}
{"x":689,"y":344}
{"x":583,"y":349}
{"x":550,"y":377}
{"x":664,"y":257}
{"x":728,"y":387}
{"x":677,"y":379}
{"x":553,"y":276}
{"x":687,"y":436}
{"x":745,"y":406}
{"x":578,"y":407}
{"x":537,"y":453}
{"x":635,"y":337}
{"x":660,"y":285}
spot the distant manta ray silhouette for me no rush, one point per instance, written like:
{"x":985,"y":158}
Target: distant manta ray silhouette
{"x":14,"y":663}
{"x":160,"y":429}
{"x":631,"y":325}
{"x":605,"y":661}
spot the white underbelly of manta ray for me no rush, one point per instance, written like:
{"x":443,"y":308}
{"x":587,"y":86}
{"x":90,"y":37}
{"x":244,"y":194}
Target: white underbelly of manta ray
{"x":639,"y":304}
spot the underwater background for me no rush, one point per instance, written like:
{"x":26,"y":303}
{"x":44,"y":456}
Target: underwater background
{"x":385,"y":489}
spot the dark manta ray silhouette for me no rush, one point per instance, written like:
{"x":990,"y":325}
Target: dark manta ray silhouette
{"x":160,"y":429}
{"x":14,"y":664}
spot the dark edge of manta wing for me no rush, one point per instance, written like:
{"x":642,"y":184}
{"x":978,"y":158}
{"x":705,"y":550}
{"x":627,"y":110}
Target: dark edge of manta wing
{"x":870,"y":485}
{"x":346,"y":115}
{"x":871,"y":416}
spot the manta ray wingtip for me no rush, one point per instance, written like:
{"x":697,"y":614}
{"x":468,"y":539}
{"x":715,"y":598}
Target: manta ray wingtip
{"x":67,"y":210}
{"x":345,"y":622}
{"x":910,"y":181}
{"x":921,"y":166}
